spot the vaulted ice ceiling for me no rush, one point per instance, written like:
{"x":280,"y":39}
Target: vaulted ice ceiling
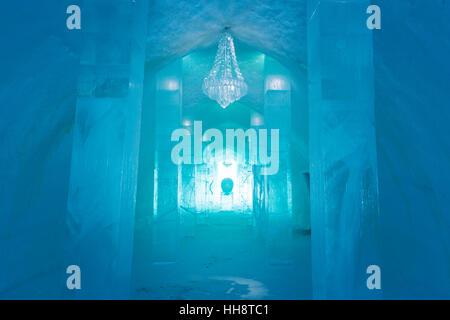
{"x":278,"y":29}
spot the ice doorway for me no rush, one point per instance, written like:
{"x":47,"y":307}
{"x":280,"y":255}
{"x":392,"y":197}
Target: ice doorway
{"x":219,"y":230}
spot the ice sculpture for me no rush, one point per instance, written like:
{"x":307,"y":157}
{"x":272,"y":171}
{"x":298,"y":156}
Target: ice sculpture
{"x":225,"y":82}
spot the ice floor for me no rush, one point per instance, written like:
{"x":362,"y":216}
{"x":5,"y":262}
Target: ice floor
{"x":224,"y":258}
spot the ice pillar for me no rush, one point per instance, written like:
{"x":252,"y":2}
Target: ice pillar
{"x":103,"y":175}
{"x":166,"y":207}
{"x":277,"y":116}
{"x":344,"y":192}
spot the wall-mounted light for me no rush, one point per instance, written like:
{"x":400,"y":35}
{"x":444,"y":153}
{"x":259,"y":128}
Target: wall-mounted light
{"x":187,"y":123}
{"x":256,"y":119}
{"x":169,"y":84}
{"x":277,"y":83}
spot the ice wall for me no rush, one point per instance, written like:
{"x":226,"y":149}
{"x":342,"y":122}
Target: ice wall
{"x":412,"y":121}
{"x":344,"y":191}
{"x":39,"y":63}
{"x":103,"y":174}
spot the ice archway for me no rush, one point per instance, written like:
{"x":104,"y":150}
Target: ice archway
{"x":341,"y":137}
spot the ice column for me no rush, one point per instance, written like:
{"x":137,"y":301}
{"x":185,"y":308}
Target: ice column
{"x":344,"y":193}
{"x":167,"y":114}
{"x":102,"y":191}
{"x":277,"y":115}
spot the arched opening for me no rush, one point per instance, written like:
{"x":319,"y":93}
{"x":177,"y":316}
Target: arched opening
{"x":221,"y":229}
{"x":122,"y":144}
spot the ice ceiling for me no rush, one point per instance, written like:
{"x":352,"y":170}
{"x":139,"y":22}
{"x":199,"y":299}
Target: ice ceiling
{"x":275,"y":28}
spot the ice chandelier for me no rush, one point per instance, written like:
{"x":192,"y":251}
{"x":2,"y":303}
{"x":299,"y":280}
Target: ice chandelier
{"x":225,"y":82}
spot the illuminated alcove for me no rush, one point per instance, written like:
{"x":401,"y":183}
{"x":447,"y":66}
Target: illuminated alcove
{"x":221,"y":230}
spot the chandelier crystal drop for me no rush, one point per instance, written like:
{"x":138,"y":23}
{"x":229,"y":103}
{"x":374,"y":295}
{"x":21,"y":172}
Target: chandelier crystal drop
{"x":225,"y":82}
